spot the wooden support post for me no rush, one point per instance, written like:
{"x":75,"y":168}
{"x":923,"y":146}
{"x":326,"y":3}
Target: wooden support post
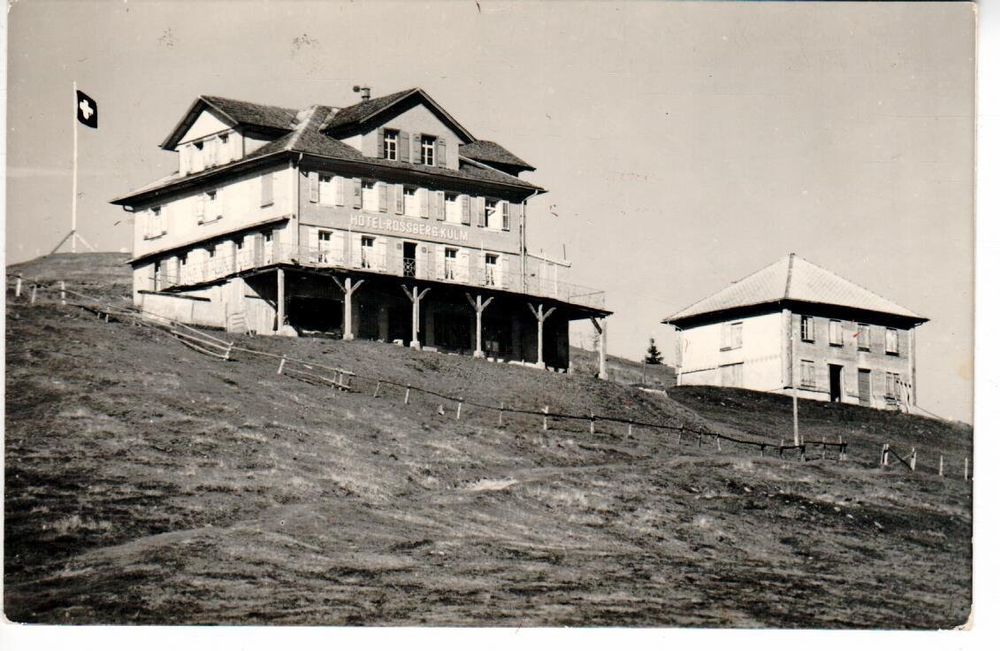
{"x":348,"y":287}
{"x":17,"y":286}
{"x":540,"y":314}
{"x":281,"y":365}
{"x":34,"y":293}
{"x":795,"y":415}
{"x":458,"y":412}
{"x":62,"y":292}
{"x":415,"y":296}
{"x":479,"y":305}
{"x":545,"y":418}
{"x":406,"y":398}
{"x":378,"y":386}
{"x":281,"y":298}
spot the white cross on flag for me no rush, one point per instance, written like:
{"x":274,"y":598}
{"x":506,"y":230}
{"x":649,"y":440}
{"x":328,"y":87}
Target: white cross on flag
{"x":86,"y":109}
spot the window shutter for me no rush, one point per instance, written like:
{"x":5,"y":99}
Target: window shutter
{"x":439,"y":205}
{"x":466,"y":209}
{"x":505,"y":208}
{"x":356,"y":200}
{"x":356,"y":250}
{"x":313,"y":253}
{"x":380,"y":143}
{"x":440,"y":153}
{"x":463,"y":266}
{"x":383,"y":197}
{"x":504,"y":272}
{"x":481,"y":211}
{"x":398,"y":198}
{"x":415,"y":150}
{"x":404,"y":146}
{"x":313,"y":187}
{"x":516,"y":213}
{"x":199,"y":208}
{"x":338,"y":241}
{"x":379,"y":263}
{"x":424,"y":196}
{"x":338,"y":190}
{"x":439,"y":261}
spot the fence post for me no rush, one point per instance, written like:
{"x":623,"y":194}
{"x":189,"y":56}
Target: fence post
{"x":802,"y":451}
{"x":62,"y":292}
{"x":630,"y":429}
{"x":378,"y":386}
{"x":545,"y":418}
{"x":966,"y":472}
{"x":941,"y":465}
{"x":501,"y":414}
{"x":17,"y":286}
{"x":458,"y":412}
{"x":840,"y":449}
{"x":229,"y":350}
{"x":406,"y":398}
{"x":718,"y":443}
{"x":281,"y":366}
{"x":913,"y":459}
{"x":591,"y":421}
{"x":762,"y":450}
{"x":34,"y":293}
{"x":699,"y":439}
{"x":781,"y":449}
{"x":823,"y":454}
{"x":679,"y":432}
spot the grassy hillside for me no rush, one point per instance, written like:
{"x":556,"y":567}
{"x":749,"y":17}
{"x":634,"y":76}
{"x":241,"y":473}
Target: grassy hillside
{"x":147,"y":483}
{"x":625,"y":371}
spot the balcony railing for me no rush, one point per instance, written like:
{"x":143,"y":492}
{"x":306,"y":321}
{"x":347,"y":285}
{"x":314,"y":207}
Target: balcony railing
{"x":426,"y":268}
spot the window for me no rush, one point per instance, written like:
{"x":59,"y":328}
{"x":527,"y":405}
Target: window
{"x":491,"y":219}
{"x":732,"y":335}
{"x":452,"y":208}
{"x":268,"y":236}
{"x":211,"y":251}
{"x":326,"y":190}
{"x":390,"y":144}
{"x":427,"y":149}
{"x":411,"y":207}
{"x":154,"y":227}
{"x":492,"y":269}
{"x":369,"y":196}
{"x":325,"y":246}
{"x":808,"y":378}
{"x":891,"y":341}
{"x":892,"y":388}
{"x":864,"y":336}
{"x":239,"y":243}
{"x":223,"y":138}
{"x":808,"y":329}
{"x":367,"y":251}
{"x":450,"y":262}
{"x":836,"y":330}
{"x":732,"y":375}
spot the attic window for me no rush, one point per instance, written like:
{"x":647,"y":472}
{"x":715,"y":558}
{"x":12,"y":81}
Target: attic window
{"x":200,"y":145}
{"x":427,"y":150}
{"x":390,"y":144}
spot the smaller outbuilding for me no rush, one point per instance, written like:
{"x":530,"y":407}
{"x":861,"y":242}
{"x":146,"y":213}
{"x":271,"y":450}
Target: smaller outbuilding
{"x":794,"y":325}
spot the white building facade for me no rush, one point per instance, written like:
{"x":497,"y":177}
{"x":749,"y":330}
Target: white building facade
{"x":794,"y":325}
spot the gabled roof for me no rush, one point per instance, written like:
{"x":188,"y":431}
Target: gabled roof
{"x":486,"y":151}
{"x":792,"y":279}
{"x":365,"y":111}
{"x":234,"y":113}
{"x":305,"y":137}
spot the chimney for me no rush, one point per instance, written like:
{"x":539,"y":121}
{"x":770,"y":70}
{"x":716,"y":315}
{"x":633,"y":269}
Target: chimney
{"x":366,"y":92}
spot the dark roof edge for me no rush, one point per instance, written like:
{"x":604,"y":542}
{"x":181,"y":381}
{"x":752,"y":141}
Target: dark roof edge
{"x":765,"y":307}
{"x":455,"y":124}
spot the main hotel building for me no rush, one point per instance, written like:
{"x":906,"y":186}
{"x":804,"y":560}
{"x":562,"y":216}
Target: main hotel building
{"x":384,"y":220}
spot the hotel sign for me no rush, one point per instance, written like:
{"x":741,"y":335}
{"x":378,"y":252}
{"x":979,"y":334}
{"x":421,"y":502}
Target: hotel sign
{"x":388,"y":224}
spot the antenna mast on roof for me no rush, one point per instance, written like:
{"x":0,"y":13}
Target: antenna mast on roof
{"x":366,"y":92}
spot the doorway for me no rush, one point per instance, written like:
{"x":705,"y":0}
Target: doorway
{"x":864,"y":387}
{"x":410,"y":259}
{"x":835,"y":376}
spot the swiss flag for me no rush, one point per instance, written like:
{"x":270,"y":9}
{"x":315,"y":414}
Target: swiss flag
{"x":86,"y":109}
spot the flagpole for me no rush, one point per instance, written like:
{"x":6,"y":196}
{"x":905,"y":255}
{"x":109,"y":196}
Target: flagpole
{"x":76,"y":146}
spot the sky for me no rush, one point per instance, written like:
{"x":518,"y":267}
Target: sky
{"x":683,"y":145}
